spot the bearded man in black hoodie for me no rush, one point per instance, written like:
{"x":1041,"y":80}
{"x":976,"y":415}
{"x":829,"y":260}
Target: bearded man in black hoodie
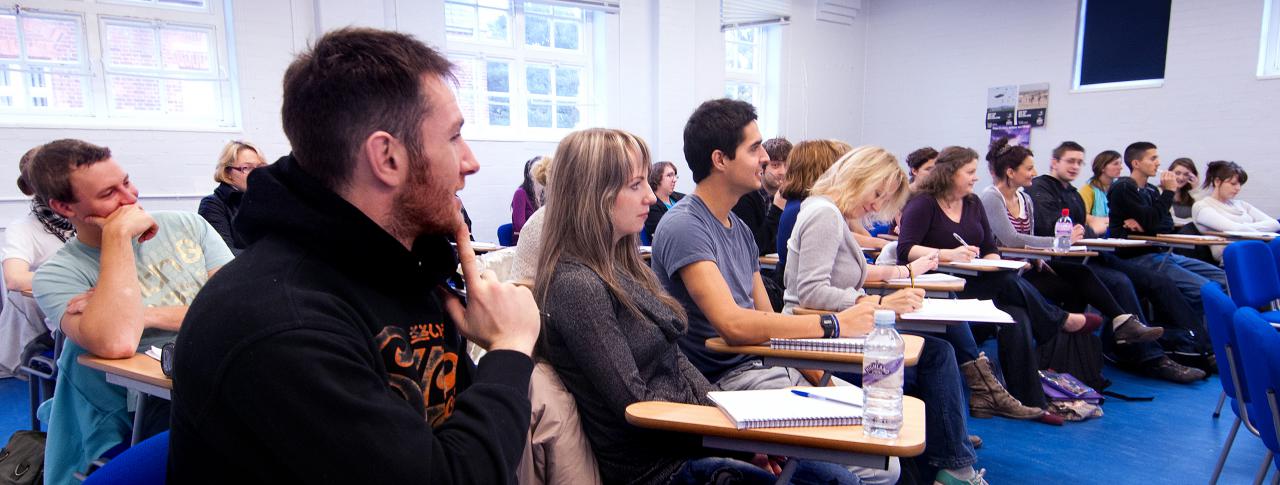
{"x":332,"y":350}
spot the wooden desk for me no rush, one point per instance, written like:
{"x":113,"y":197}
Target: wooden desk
{"x":932,"y":289}
{"x":1110,"y":245}
{"x":837,"y":444}
{"x":1264,"y":237}
{"x":140,"y":373}
{"x":925,"y":326}
{"x":807,"y":359}
{"x":769,"y":261}
{"x":1173,"y":241}
{"x":1045,"y":254}
{"x":969,"y":269}
{"x":887,"y":237}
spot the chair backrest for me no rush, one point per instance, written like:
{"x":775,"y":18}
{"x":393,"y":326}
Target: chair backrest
{"x":1251,"y":273}
{"x":145,"y":463}
{"x":645,"y":240}
{"x":1219,"y":311}
{"x":505,"y":235}
{"x":1259,"y":364}
{"x":1275,"y":250}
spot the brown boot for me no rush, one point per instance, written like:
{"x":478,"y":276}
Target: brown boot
{"x":987,"y":397}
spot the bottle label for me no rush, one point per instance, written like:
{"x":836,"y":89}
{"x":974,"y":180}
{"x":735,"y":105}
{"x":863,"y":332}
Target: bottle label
{"x":876,"y":371}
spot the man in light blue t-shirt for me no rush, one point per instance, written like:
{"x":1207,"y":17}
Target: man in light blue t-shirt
{"x":120,"y":286}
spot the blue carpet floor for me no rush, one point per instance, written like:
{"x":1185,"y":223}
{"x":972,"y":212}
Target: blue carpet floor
{"x":1173,"y":439}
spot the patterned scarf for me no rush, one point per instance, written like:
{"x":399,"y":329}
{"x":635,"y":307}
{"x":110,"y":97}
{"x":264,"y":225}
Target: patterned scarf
{"x":53,"y":223}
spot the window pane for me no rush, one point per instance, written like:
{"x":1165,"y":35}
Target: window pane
{"x":538,"y":80}
{"x":731,"y":90}
{"x":184,"y":3}
{"x":569,"y":12}
{"x":7,"y":91}
{"x":499,"y":80}
{"x":130,"y":45}
{"x":499,"y":111}
{"x":745,"y":35}
{"x":537,"y":8}
{"x":567,"y":116}
{"x":134,"y":94}
{"x":459,"y":21}
{"x":746,"y":57}
{"x":502,"y":4}
{"x":493,"y":24}
{"x":185,"y":50}
{"x":747,"y":92}
{"x":9,"y":37}
{"x":62,"y":91}
{"x":539,"y":114}
{"x":567,"y":35}
{"x":51,"y":39}
{"x":537,"y":31}
{"x":567,"y":81}
{"x":192,"y":99}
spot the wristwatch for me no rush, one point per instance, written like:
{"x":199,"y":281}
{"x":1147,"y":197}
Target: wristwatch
{"x":830,"y":326}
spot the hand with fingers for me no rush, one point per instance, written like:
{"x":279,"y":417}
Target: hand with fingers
{"x":906,"y":300}
{"x":127,"y":221}
{"x":497,"y":315}
{"x":925,"y":264}
{"x":1133,"y":225}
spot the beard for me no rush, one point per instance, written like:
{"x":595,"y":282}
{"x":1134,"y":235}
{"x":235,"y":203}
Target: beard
{"x":425,"y":205}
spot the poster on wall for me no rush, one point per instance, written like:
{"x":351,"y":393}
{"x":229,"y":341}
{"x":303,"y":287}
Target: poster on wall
{"x":1001,"y":103}
{"x":1033,"y":104}
{"x":1021,"y":134}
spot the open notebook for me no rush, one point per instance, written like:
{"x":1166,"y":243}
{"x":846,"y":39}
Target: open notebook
{"x":780,"y":408}
{"x":927,"y":278}
{"x":939,"y":309}
{"x":1112,"y":242}
{"x":991,"y":263}
{"x":847,"y":345}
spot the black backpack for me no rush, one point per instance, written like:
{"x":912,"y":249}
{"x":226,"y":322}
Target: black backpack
{"x":22,"y":459}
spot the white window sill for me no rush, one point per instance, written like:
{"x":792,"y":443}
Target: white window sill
{"x":1120,"y":86}
{"x":1265,"y":77}
{"x":117,"y":125}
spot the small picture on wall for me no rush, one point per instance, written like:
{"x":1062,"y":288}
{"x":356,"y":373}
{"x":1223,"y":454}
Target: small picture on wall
{"x":1033,"y":104}
{"x":1021,"y":134}
{"x":1001,"y":102}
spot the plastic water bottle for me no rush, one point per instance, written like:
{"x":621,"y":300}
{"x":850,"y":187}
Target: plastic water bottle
{"x":882,"y":379}
{"x":1062,"y":232}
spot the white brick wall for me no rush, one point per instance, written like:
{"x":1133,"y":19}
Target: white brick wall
{"x":929,"y":63}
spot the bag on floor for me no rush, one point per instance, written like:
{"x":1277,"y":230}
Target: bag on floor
{"x":1078,"y":354}
{"x":22,"y":459}
{"x":1069,"y":398}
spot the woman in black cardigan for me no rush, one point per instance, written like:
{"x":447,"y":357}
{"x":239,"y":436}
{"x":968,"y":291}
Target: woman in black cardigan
{"x":237,"y":160}
{"x":662,"y":180}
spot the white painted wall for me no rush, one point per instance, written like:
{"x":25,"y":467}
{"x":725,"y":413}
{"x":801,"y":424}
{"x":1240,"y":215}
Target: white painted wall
{"x":662,"y":58}
{"x":929,"y":63}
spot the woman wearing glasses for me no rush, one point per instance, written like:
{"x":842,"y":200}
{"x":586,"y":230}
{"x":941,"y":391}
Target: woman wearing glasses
{"x":237,"y":160}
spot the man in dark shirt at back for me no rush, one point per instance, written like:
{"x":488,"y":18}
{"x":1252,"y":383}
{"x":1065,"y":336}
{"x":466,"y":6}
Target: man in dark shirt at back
{"x":1052,"y":192}
{"x":331,"y":350}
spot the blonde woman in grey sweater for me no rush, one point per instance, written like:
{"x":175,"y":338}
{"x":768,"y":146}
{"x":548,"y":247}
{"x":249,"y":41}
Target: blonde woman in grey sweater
{"x":826,"y":270}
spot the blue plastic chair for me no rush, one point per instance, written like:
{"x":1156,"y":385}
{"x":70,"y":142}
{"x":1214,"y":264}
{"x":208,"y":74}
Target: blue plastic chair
{"x":145,"y":463}
{"x":1275,"y":250}
{"x":1219,"y":311}
{"x":1251,"y":276}
{"x":645,"y":240}
{"x":506,"y":235}
{"x":1260,"y":366}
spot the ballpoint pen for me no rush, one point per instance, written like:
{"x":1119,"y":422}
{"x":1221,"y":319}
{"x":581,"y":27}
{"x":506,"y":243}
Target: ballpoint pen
{"x":824,"y":398}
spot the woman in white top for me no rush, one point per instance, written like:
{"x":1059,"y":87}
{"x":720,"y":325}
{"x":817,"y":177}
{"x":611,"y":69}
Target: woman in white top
{"x":29,"y":241}
{"x":1221,"y":211}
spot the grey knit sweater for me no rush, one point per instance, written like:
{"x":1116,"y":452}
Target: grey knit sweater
{"x":825,"y":265}
{"x":609,"y":358}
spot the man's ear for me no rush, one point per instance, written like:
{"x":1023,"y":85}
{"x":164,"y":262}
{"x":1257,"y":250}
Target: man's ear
{"x":384,"y":158}
{"x":717,"y":160}
{"x":62,"y":208}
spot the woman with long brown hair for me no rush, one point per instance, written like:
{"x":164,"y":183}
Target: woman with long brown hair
{"x":611,"y":330}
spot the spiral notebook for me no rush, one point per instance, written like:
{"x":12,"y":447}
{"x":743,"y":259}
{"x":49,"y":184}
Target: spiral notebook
{"x":847,"y":345}
{"x":780,"y":408}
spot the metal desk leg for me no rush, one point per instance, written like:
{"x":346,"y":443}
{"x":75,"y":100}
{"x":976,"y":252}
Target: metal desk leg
{"x":137,"y":419}
{"x":1167,"y":256}
{"x":787,"y":471}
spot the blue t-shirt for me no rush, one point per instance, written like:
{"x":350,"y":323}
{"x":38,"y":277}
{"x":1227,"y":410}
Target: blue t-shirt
{"x":690,"y":233}
{"x":787,"y":224}
{"x":89,"y":415}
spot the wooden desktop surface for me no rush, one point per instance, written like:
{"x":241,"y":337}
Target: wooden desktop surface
{"x":912,"y":346}
{"x":1174,"y":239}
{"x":939,"y":286}
{"x":139,"y":368}
{"x":1240,"y":237}
{"x":1047,"y":253}
{"x":710,"y":421}
{"x":973,"y":267}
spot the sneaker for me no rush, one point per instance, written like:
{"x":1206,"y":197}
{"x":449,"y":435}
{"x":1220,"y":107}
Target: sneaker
{"x":1134,"y":331}
{"x":1165,"y":368}
{"x":946,"y":478}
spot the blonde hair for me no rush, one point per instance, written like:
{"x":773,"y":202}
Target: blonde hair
{"x":579,"y":214}
{"x":807,"y":162}
{"x":541,"y":171}
{"x":857,"y":175}
{"x":228,"y":158}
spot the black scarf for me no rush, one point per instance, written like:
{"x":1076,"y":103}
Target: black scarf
{"x":53,"y":223}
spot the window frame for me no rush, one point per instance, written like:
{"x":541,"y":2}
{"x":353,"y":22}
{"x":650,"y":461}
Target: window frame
{"x":1269,"y":44}
{"x":1076,"y":87}
{"x":766,"y":77}
{"x":520,"y":56}
{"x":93,"y":15}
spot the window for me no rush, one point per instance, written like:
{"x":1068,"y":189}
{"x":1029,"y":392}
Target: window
{"x":1269,"y":55}
{"x":1121,"y":44}
{"x":123,"y":63}
{"x":525,"y":69}
{"x":751,"y":72}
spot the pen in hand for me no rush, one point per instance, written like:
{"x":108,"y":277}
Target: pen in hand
{"x":963,"y":245}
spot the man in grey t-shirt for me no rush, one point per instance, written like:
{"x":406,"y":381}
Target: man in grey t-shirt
{"x":707,"y":259}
